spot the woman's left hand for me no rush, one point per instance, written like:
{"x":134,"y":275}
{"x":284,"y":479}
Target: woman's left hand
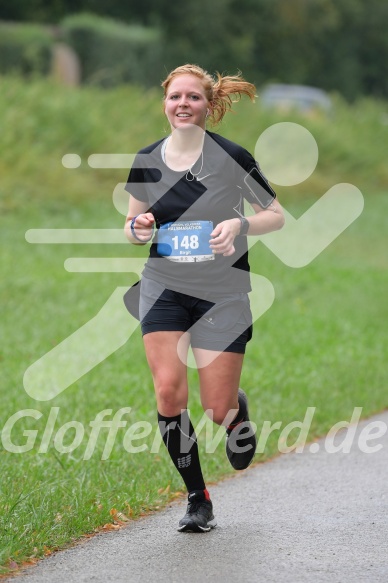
{"x":223,"y":237}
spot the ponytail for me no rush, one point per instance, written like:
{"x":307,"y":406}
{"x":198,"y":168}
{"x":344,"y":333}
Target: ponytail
{"x":223,"y":88}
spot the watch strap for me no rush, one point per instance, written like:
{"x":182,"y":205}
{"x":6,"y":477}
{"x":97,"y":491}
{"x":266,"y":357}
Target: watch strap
{"x":244,"y":226}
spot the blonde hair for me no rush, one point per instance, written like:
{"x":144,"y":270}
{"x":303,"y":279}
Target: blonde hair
{"x":218,"y":91}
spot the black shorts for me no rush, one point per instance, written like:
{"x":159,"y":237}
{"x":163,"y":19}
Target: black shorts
{"x":224,"y":324}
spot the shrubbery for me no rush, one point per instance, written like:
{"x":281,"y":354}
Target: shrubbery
{"x":111,"y":52}
{"x":25,"y":48}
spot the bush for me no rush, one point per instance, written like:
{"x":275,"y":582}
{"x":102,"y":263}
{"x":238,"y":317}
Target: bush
{"x":111,"y":52}
{"x":25,"y":49}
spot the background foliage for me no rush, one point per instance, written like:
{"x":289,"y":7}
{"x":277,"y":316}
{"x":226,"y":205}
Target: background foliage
{"x":111,"y":52}
{"x":337,"y":45}
{"x":25,"y":49}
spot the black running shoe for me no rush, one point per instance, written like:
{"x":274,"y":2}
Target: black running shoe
{"x":241,"y":440}
{"x":199,"y":515}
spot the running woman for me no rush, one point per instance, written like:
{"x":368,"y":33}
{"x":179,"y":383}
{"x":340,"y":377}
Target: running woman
{"x":187,"y":194}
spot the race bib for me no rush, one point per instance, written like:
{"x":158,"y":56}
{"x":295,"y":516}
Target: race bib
{"x":186,"y":241}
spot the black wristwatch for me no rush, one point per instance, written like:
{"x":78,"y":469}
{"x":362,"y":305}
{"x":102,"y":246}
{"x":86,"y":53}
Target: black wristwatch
{"x":244,"y":226}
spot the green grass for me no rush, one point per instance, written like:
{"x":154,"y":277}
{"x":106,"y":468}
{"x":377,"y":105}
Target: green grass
{"x":322,"y":344}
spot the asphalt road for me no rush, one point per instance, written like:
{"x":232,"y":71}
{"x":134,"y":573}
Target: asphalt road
{"x":306,"y":517}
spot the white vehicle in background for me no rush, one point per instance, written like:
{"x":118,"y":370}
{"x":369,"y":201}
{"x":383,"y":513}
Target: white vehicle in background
{"x":302,"y":98}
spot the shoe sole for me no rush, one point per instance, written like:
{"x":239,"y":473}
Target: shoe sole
{"x":193,"y":527}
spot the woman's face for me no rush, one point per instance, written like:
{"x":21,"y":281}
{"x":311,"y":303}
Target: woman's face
{"x":185,"y":102}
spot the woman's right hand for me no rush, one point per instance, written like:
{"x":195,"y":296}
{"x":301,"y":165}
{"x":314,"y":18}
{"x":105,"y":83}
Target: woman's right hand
{"x":143,"y":226}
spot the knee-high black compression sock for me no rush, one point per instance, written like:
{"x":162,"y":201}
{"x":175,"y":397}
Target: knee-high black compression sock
{"x":179,"y":437}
